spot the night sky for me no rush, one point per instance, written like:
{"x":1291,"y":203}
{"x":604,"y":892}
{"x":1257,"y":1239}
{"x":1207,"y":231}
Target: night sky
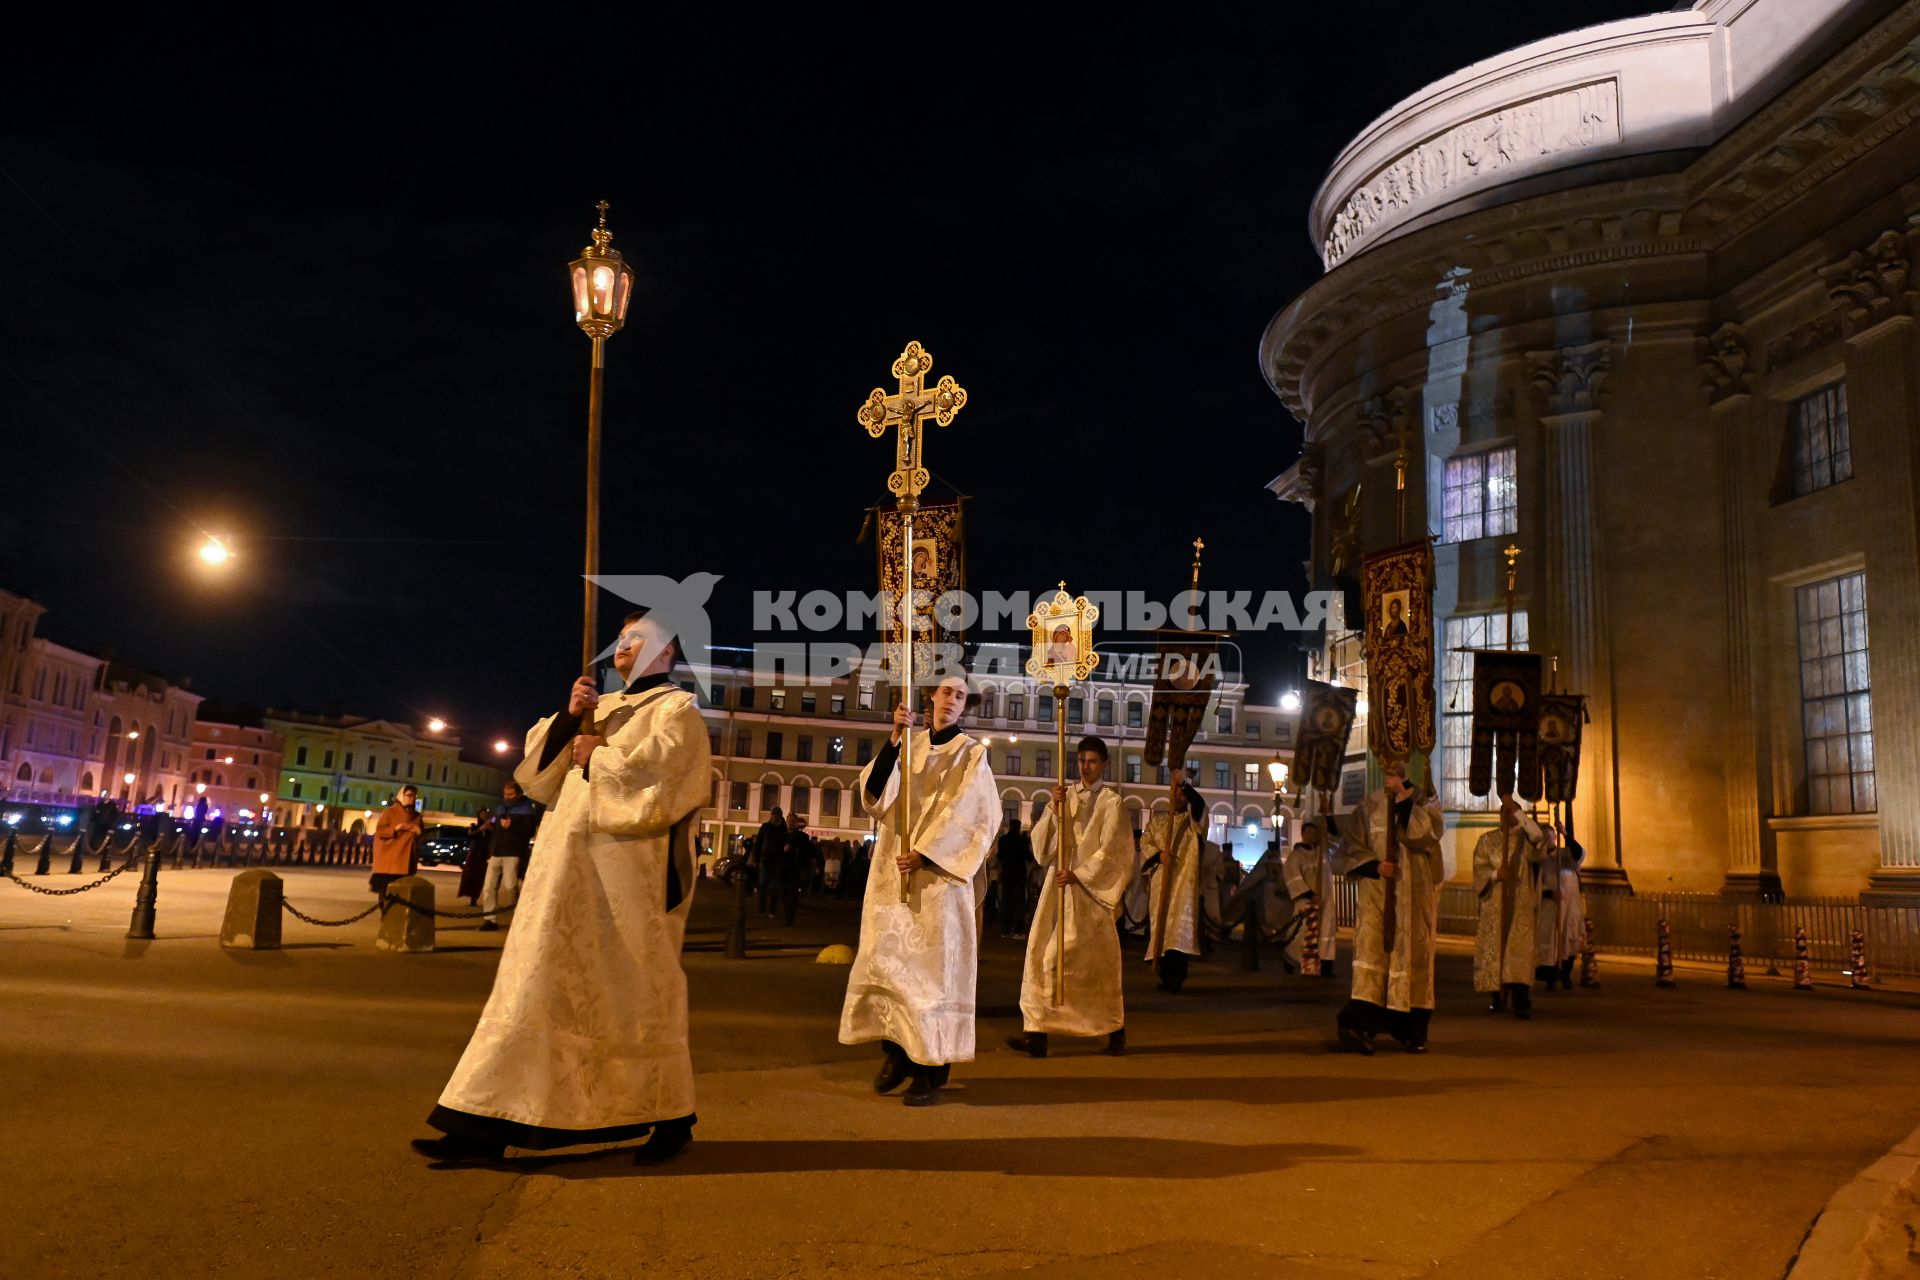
{"x":307,"y":288}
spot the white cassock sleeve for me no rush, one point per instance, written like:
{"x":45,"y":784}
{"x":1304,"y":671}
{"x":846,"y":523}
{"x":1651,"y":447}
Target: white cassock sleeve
{"x":640,"y":784}
{"x":1486,"y":861}
{"x":958,"y":821}
{"x":542,"y":786}
{"x":1104,"y":862}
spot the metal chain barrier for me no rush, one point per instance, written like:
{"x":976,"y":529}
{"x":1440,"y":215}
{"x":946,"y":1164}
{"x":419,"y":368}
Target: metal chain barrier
{"x":385,"y":900}
{"x":298,"y":914}
{"x":66,"y":893}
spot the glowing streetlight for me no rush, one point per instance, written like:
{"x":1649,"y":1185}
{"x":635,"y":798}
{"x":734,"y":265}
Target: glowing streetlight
{"x":199,"y":788}
{"x":127,"y":778}
{"x":1277,"y":770}
{"x":133,"y":735}
{"x":1290,"y":700}
{"x":602,"y":286}
{"x":228,"y":760}
{"x":264,"y":797}
{"x":215,"y":552}
{"x":436,"y":725}
{"x":501,"y":746}
{"x":1360,"y":707}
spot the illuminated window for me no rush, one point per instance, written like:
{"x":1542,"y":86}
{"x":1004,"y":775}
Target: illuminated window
{"x":1473,"y":631}
{"x":1480,"y":496}
{"x":1836,"y":705}
{"x":1822,"y":443}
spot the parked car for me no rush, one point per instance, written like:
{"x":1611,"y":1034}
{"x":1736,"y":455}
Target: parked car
{"x":446,"y":846}
{"x":31,"y":819}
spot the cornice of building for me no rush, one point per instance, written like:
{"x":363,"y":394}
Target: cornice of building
{"x":1829,"y":120}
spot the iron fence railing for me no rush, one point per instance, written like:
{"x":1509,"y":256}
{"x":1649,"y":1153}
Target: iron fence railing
{"x":1629,"y":924}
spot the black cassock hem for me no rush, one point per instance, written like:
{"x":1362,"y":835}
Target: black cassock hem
{"x":533,"y":1137}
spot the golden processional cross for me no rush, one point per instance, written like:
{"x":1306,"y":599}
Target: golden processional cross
{"x":907,"y":410}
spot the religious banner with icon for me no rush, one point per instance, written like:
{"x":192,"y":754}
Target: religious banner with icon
{"x":1561,"y":718}
{"x":1063,"y":639}
{"x":939,"y":567}
{"x":1185,"y":671}
{"x":1326,"y":722}
{"x":1397,"y":585}
{"x":1506,"y":720}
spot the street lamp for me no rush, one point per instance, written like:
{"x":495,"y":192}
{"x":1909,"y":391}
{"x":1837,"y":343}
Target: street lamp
{"x":501,"y":746}
{"x":602,"y":285}
{"x":215,"y":552}
{"x":199,"y":788}
{"x":436,"y":725}
{"x":1277,"y":770}
{"x":1290,"y":700}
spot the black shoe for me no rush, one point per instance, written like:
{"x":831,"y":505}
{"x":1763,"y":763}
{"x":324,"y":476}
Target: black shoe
{"x":488,"y":926}
{"x":451,"y":1148}
{"x":1498,"y":1004}
{"x":1358,"y":1041}
{"x":891,"y":1072}
{"x":669,"y":1139}
{"x":1116,"y":1044}
{"x":1031,"y":1043}
{"x":1414,"y":1046}
{"x":1327,"y":970}
{"x":922,"y":1093}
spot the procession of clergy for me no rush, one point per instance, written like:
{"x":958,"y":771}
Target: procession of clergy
{"x":584,"y":1037}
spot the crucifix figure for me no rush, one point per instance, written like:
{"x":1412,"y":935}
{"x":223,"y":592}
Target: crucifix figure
{"x":908,"y":410}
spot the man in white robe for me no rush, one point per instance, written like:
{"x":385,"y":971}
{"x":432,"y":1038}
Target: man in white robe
{"x":912,"y":983}
{"x":1507,"y":878}
{"x":1186,"y":875}
{"x":1074,"y":917}
{"x":584,"y":1038}
{"x":1393,"y":851}
{"x":1309,"y":874}
{"x":1562,"y":915}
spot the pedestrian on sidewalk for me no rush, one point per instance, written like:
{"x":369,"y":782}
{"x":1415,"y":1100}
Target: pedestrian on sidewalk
{"x":798,"y":867}
{"x":1015,"y":856}
{"x":473,"y":871}
{"x":912,"y":983}
{"x":584,"y":1038}
{"x":508,"y":841}
{"x":396,"y":843}
{"x":769,"y":853}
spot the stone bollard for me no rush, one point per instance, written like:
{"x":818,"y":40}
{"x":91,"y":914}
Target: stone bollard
{"x":45,"y":866}
{"x":401,"y":927}
{"x":1310,"y":949}
{"x":1857,"y":971}
{"x":77,"y":865}
{"x":1589,"y":959}
{"x":1663,"y":957}
{"x":1736,"y":962}
{"x":253,"y":912}
{"x":106,"y":854}
{"x":6,"y":854}
{"x":1802,"y":962}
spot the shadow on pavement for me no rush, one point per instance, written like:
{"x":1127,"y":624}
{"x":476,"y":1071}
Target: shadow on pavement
{"x":1159,"y":1158}
{"x":1006,"y":1091}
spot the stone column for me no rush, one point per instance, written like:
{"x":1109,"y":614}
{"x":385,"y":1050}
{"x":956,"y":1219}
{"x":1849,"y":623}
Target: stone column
{"x":1870,"y":290}
{"x":1571,"y":380}
{"x":1733,"y":417}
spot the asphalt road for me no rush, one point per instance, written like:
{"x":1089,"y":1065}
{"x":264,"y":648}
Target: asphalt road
{"x":170,"y":1108}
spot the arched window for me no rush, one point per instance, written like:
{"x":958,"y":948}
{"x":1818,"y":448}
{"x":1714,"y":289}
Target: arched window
{"x":86,"y":783}
{"x":25,"y":774}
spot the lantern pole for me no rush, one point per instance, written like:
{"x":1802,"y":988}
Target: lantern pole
{"x":602,"y":286}
{"x":589,"y":618}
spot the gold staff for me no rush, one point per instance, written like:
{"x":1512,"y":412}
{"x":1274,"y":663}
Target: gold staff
{"x":1076,"y":616}
{"x":908,"y":409}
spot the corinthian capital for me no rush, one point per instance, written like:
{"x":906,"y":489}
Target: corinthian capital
{"x":1726,"y":369}
{"x":1570,"y":379}
{"x":1870,"y":285}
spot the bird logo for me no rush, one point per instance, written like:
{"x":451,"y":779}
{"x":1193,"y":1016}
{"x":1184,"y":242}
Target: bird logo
{"x":680,"y":606}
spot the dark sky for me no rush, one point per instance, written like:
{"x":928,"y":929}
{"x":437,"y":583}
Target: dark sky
{"x":308,"y":287}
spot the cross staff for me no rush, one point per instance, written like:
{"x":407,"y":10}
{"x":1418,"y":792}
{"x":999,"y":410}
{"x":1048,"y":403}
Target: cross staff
{"x":908,"y":410}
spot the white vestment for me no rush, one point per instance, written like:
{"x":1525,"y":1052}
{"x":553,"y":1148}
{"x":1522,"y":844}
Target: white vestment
{"x":1399,"y":977}
{"x":587,"y":1024}
{"x":1507,"y":877}
{"x":1194,"y":878}
{"x":913,"y":979}
{"x":1310,"y":869}
{"x":1563,"y":916}
{"x":1082,"y":915}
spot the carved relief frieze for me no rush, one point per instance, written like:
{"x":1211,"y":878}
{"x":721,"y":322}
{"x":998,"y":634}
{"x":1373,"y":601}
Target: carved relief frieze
{"x":1871,"y":284}
{"x":1572,"y":119}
